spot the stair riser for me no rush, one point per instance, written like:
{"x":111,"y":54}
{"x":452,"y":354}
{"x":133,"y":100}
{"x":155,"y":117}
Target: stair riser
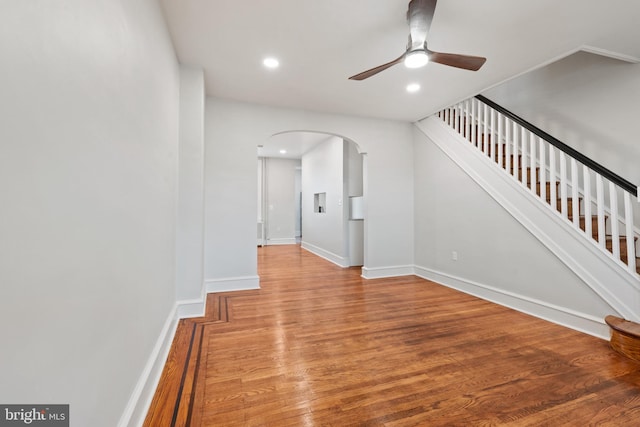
{"x":623,"y":248}
{"x":626,"y":345}
{"x":547,"y":186}
{"x":569,"y":207}
{"x":594,"y":226}
{"x":493,"y":153}
{"x":624,"y":337}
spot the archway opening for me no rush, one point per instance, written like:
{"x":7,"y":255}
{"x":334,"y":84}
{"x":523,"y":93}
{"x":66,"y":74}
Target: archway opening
{"x":311,"y":191}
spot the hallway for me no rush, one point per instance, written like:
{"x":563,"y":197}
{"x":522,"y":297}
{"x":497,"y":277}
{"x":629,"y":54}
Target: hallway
{"x":319,"y":345}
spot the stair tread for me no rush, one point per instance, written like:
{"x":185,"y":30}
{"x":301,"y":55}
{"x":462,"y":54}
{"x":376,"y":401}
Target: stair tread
{"x":625,"y":336}
{"x":625,"y":326}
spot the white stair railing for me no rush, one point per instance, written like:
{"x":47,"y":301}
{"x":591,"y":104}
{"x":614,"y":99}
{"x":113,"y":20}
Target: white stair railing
{"x":556,"y":174}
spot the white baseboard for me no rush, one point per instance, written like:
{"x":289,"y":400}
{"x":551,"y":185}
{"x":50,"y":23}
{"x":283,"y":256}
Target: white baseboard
{"x":391,"y":271}
{"x":191,"y":308}
{"x":229,"y":284}
{"x":322,"y":253}
{"x":142,"y":395}
{"x":559,"y":315}
{"x":282,"y":241}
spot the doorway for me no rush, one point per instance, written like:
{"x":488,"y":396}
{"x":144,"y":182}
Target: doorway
{"x":329,"y":169}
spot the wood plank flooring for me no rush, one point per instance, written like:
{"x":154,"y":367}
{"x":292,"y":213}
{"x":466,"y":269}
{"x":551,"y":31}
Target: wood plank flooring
{"x":320,"y":346}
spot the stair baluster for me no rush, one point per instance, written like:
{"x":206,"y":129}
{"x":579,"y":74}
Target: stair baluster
{"x":586,"y":184}
{"x":521,"y":150}
{"x":474,"y":127}
{"x":615,"y":233}
{"x":508,"y":141}
{"x":632,"y":261}
{"x":485,"y":133}
{"x":553,"y":174}
{"x":525,"y":155}
{"x":543,"y":171}
{"x":601,"y":215}
{"x":575,"y":213}
{"x":532,"y":162}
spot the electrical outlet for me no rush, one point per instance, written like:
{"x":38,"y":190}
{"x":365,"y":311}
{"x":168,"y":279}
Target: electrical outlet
{"x":454,"y":255}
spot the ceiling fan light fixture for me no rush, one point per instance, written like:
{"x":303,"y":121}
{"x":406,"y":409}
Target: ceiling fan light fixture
{"x":416,"y":59}
{"x":419,"y":17}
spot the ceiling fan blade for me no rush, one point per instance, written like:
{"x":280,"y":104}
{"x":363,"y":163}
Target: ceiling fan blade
{"x":376,"y":70}
{"x":419,"y":17}
{"x":466,"y":62}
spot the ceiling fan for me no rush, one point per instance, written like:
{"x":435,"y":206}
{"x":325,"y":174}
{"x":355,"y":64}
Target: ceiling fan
{"x":419,"y":17}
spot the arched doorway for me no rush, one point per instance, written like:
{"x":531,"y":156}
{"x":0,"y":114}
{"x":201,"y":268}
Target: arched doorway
{"x":312,"y":191}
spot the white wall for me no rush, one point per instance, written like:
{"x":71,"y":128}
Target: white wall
{"x":88,"y":167}
{"x":496,"y":255}
{"x":353,"y":169}
{"x":354,"y":243}
{"x":323,"y":172}
{"x":587,"y":101}
{"x":190,"y":221}
{"x":281,"y":207}
{"x":298,"y":201}
{"x":232,"y":132}
{"x":230,"y":198}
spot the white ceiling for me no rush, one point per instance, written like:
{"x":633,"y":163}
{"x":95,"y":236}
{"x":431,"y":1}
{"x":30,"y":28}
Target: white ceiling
{"x":320,"y":43}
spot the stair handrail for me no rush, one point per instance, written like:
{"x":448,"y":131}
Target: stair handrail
{"x":519,"y":144}
{"x":592,"y":164}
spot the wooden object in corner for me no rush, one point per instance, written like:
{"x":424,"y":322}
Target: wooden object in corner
{"x":625,"y":336}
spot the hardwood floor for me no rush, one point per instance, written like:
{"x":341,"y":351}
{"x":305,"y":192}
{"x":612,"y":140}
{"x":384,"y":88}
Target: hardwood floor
{"x":320,"y":346}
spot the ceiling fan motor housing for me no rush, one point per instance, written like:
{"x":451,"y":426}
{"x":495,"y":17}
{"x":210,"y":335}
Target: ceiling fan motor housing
{"x":419,"y":17}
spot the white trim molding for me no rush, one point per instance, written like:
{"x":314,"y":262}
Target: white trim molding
{"x":559,"y":315}
{"x":229,"y":284}
{"x":322,"y":253}
{"x":389,"y":271}
{"x":281,"y":241}
{"x":597,"y":269}
{"x":142,"y":395}
{"x":191,"y":308}
{"x":610,"y":54}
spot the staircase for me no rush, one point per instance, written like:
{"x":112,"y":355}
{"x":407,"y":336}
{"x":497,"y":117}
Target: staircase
{"x":557,"y":175}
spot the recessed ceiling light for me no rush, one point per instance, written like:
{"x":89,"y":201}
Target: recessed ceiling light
{"x":283,"y":151}
{"x":413,"y":87}
{"x":271,"y":62}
